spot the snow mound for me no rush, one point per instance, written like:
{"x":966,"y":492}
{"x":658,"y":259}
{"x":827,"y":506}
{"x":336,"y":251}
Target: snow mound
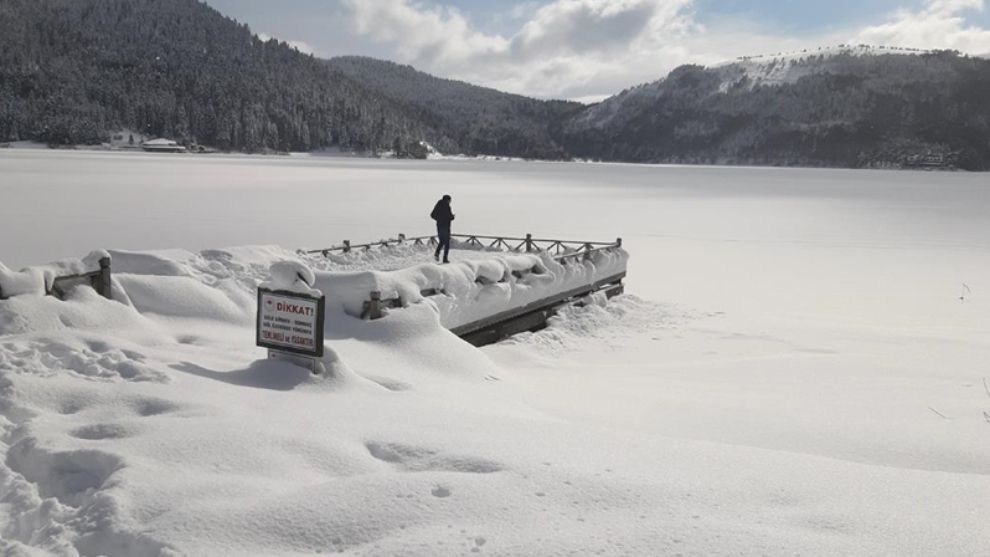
{"x":185,"y":297}
{"x":602,"y":320}
{"x":292,"y":276}
{"x":30,"y":281}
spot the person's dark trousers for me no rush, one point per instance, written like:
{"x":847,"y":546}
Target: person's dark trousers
{"x":443,"y":237}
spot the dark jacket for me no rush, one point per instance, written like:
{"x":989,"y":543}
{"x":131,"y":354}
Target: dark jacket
{"x":442,"y":214}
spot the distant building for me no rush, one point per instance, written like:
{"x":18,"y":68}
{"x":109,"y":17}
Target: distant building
{"x":162,"y":146}
{"x":417,"y":150}
{"x":930,"y":161}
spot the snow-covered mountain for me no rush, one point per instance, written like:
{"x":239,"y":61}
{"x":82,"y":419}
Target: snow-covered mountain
{"x":841,"y":106}
{"x":745,"y":72}
{"x":182,"y":71}
{"x":788,"y":67}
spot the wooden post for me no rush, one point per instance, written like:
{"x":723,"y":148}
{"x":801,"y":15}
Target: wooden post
{"x":104,"y":286}
{"x":347,"y":246}
{"x":375,"y":306}
{"x":587,"y":252}
{"x":529,"y":243}
{"x":402,"y":238}
{"x":618,"y":242}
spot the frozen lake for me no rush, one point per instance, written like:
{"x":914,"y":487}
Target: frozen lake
{"x":799,"y":367}
{"x":894,"y":242}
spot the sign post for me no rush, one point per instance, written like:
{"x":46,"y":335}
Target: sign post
{"x":290,"y":326}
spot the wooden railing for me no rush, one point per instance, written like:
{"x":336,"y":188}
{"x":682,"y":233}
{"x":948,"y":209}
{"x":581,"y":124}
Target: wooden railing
{"x":561,"y":250}
{"x":501,"y":325}
{"x":99,"y":280}
{"x":493,"y":328}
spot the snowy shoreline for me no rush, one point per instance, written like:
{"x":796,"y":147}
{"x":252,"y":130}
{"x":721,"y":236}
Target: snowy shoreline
{"x":354,"y":155}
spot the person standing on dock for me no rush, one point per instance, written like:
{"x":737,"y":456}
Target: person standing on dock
{"x":444,"y":216}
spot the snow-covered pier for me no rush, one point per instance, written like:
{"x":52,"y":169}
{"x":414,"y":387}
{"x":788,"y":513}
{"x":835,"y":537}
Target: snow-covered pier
{"x":494,"y":288}
{"x":498,"y":286}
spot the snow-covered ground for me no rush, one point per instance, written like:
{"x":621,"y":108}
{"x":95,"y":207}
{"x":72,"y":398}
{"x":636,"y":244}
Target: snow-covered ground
{"x":798,"y":367}
{"x":789,"y":67}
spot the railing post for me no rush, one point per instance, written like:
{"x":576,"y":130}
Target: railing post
{"x":618,"y":242}
{"x":587,"y":252}
{"x":104,"y":286}
{"x":375,"y":306}
{"x":529,"y":243}
{"x":402,"y":238}
{"x":347,"y":246}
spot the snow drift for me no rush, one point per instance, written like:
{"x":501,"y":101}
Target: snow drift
{"x":117,"y":442}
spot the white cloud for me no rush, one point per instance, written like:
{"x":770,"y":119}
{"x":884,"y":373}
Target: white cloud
{"x":938,"y":24}
{"x":523,"y":10}
{"x":434,"y":34}
{"x":600,"y":26}
{"x":562,"y":48}
{"x":301,"y":46}
{"x":590,"y":48}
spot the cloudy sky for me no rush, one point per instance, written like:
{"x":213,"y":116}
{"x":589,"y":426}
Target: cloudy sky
{"x":588,"y":49}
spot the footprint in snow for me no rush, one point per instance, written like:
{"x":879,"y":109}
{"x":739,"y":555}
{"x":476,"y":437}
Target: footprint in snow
{"x":441,"y":492}
{"x":408,"y":458}
{"x":147,"y":407}
{"x":100,"y":432}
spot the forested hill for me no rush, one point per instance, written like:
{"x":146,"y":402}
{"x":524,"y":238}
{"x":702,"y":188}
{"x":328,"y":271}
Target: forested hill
{"x":73,"y":71}
{"x":846,"y":108}
{"x":481,"y":120}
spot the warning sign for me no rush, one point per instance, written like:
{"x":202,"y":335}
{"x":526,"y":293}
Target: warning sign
{"x":291,"y":322}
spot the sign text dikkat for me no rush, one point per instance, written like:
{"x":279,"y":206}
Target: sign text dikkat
{"x":291,"y":322}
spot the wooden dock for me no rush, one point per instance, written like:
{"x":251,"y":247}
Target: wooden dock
{"x":530,"y":317}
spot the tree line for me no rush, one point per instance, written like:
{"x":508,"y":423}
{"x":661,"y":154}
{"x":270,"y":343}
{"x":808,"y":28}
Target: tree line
{"x":76,"y":71}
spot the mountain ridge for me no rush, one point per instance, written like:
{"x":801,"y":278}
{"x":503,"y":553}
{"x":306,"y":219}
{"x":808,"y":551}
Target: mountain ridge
{"x":72,"y":71}
{"x":846,"y":109}
{"x":481,"y":119}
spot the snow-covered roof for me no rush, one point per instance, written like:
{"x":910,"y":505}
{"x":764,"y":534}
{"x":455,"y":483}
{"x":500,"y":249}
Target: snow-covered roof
{"x":161,"y":143}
